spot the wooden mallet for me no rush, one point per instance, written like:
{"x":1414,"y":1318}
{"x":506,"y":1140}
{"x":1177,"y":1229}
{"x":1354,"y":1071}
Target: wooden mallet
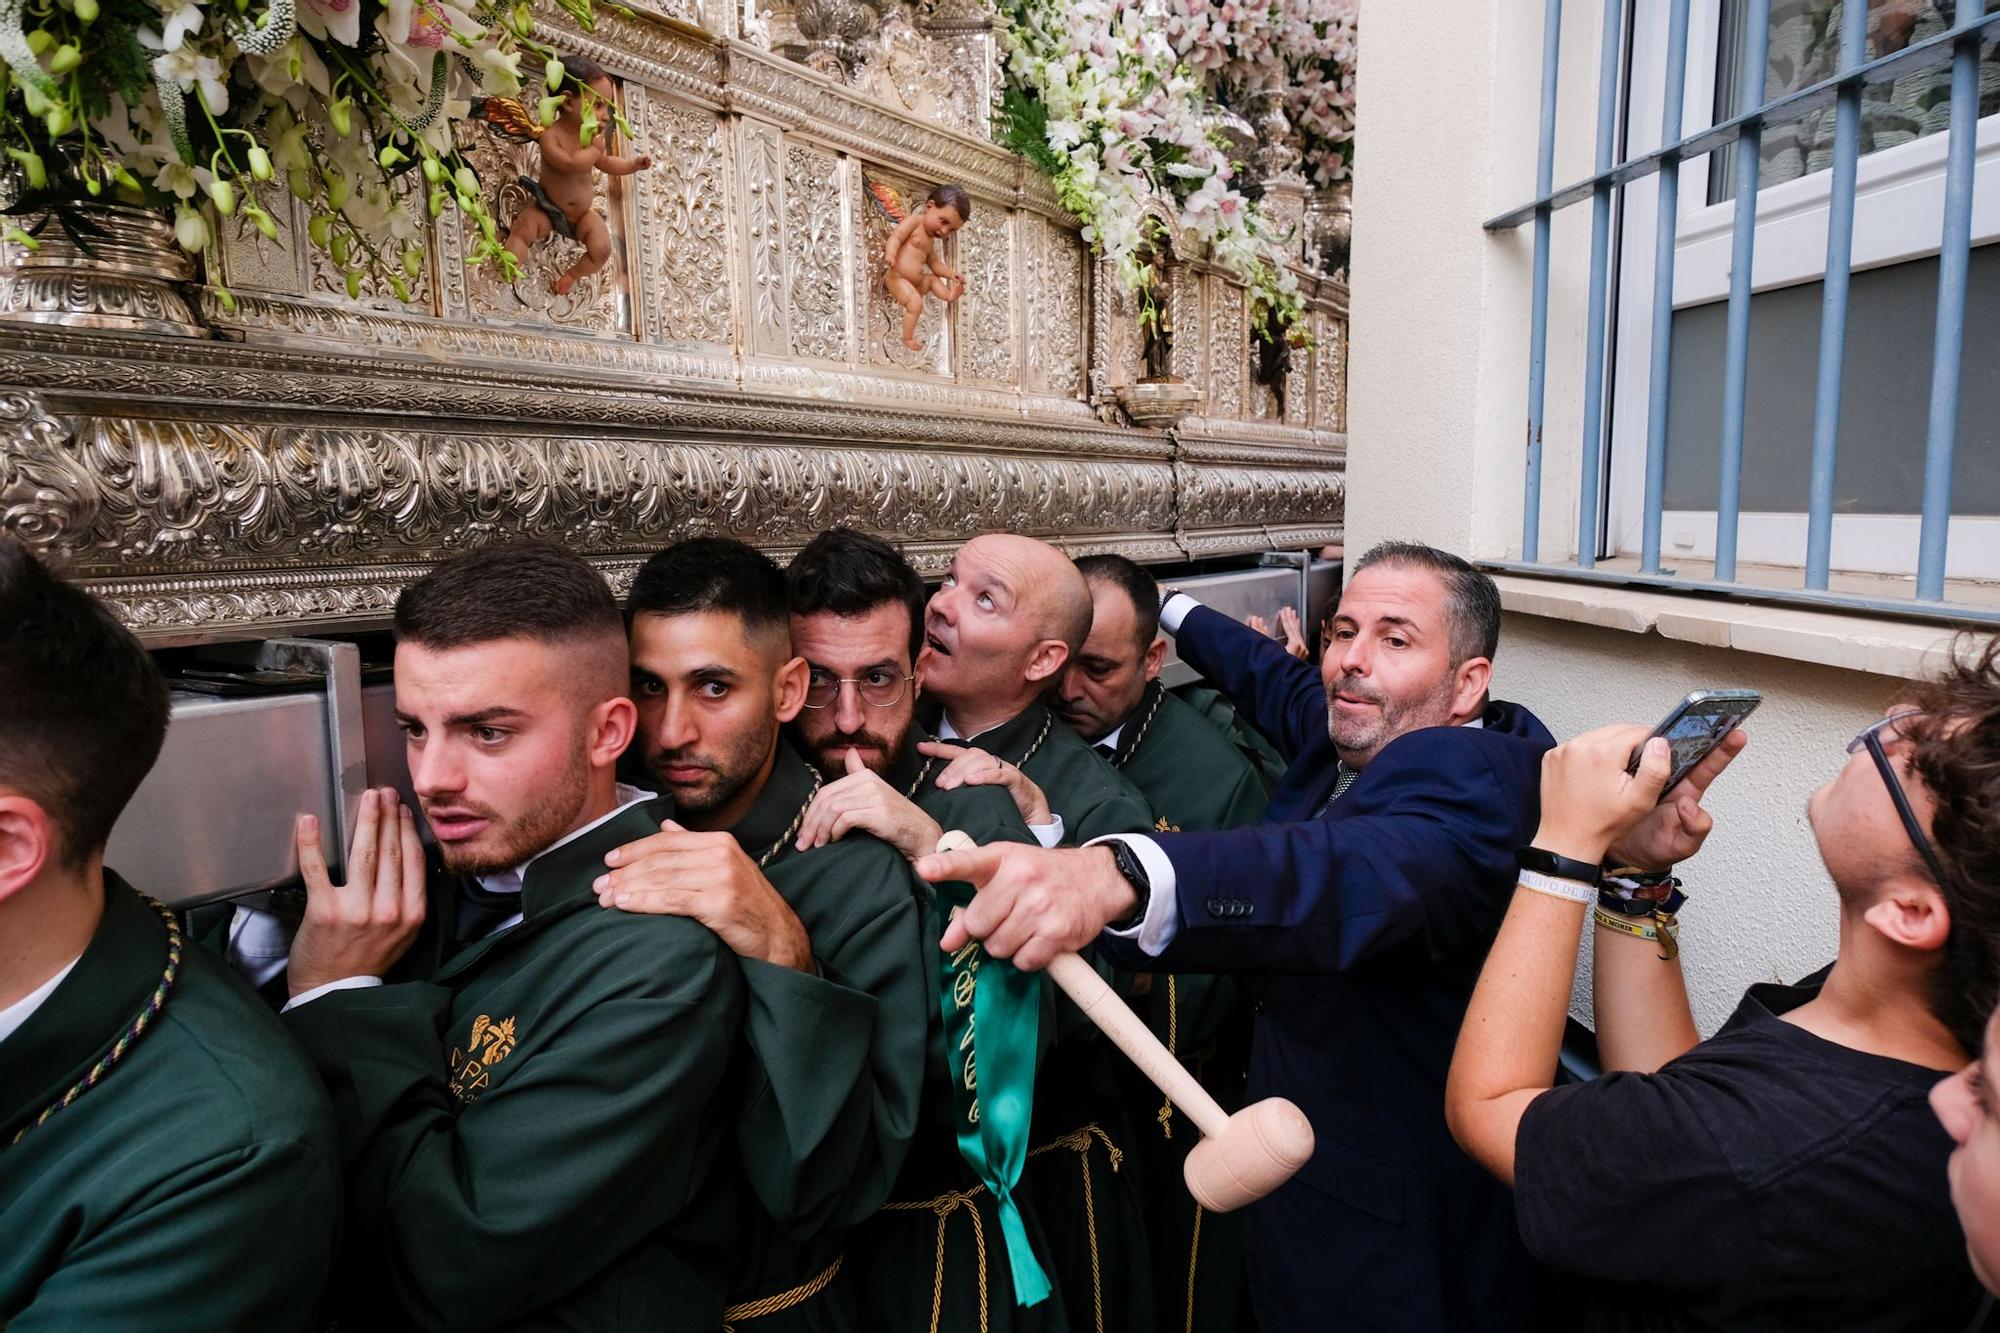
{"x":1241,"y":1157}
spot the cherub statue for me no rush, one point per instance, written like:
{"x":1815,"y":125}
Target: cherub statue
{"x":912,"y":264}
{"x":574,"y":148}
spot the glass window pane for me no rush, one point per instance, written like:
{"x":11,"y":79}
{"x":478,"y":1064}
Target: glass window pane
{"x":1884,"y":401}
{"x":1805,"y":49}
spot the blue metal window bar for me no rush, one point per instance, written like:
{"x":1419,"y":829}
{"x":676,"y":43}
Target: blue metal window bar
{"x":1958,"y":46}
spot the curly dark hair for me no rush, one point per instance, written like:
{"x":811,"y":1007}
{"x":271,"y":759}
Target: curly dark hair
{"x":1955,"y":752}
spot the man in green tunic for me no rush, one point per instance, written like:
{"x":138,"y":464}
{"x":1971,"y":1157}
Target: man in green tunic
{"x":830,"y":939}
{"x":998,"y":633}
{"x":933,"y":1257}
{"x":526,"y":1133}
{"x":166,"y":1156}
{"x":1196,"y":779}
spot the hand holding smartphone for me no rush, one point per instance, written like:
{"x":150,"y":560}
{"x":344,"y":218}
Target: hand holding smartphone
{"x":1696,"y":727}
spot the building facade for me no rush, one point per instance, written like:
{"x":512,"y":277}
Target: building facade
{"x":1604,"y":487}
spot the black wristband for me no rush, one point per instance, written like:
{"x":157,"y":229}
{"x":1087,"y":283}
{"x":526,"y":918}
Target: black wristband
{"x":1563,"y":867}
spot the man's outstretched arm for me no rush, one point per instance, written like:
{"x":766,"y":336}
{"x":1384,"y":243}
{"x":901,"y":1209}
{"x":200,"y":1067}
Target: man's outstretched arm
{"x":1434,"y":827}
{"x":1278,"y":694}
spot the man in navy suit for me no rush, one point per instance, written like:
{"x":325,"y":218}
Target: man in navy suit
{"x":1364,"y":906}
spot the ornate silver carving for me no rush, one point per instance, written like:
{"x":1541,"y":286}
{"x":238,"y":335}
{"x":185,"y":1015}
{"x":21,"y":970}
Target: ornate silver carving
{"x":683,"y":220}
{"x":1053,"y":270}
{"x":986,"y":311}
{"x":1330,"y":374}
{"x":745,"y":378}
{"x":815,"y":185}
{"x":125,"y":284}
{"x":1228,"y":348}
{"x":763,"y":190}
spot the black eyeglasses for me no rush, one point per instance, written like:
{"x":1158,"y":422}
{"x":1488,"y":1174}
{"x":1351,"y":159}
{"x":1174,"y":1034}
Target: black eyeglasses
{"x":880,"y":688}
{"x":1872,"y":739}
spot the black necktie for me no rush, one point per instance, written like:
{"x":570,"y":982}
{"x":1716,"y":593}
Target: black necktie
{"x":1107,"y":749}
{"x":480,"y":912}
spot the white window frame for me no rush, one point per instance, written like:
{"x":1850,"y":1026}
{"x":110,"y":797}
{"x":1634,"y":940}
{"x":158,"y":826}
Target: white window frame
{"x":1898,"y":216}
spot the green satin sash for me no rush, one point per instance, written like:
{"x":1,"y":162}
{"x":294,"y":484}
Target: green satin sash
{"x":992,"y":1017}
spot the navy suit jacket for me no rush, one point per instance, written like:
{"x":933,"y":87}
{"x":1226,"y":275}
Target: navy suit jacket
{"x":1366,"y":924}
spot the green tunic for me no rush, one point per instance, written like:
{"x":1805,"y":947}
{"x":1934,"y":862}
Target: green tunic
{"x":526,"y":1133}
{"x":1088,"y":793}
{"x":836,"y":1076}
{"x":1197,"y":779}
{"x":919,"y":1261}
{"x":1216,"y":709}
{"x":196,"y":1185}
{"x":1091,"y":1207}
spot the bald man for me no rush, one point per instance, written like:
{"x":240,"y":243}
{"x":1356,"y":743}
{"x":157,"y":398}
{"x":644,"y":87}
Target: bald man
{"x":525,"y":1129}
{"x":998,"y":634}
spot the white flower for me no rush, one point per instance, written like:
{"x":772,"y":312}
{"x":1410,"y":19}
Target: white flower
{"x":190,"y":70}
{"x":338,"y":20}
{"x":499,"y":71}
{"x":183,"y":19}
{"x":177,"y":178}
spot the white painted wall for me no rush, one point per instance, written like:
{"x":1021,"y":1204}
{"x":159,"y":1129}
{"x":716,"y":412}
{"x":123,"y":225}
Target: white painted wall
{"x":1448,"y":111}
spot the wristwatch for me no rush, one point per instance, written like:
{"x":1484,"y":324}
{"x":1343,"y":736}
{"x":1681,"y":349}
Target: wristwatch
{"x":1135,"y":874}
{"x":1562,"y":867}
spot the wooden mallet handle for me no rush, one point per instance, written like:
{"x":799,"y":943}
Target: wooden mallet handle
{"x":1242,"y":1157}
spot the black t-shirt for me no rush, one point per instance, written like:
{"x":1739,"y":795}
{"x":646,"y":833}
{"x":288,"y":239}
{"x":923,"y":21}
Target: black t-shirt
{"x":1768,"y":1179}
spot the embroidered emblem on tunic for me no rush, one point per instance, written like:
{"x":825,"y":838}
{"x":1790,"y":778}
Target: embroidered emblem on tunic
{"x":491,"y":1042}
{"x":1161,"y":825}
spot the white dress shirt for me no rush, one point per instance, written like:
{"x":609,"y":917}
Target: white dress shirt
{"x":15,"y":1015}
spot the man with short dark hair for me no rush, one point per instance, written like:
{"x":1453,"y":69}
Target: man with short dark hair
{"x":1791,"y":1163}
{"x":1364,"y":923}
{"x":828,"y":937}
{"x":156,"y":1127}
{"x":857,"y":619}
{"x":1111,"y":694}
{"x":525,"y":1130}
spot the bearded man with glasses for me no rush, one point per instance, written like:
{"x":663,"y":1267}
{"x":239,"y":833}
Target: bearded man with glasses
{"x":1787,"y":1173}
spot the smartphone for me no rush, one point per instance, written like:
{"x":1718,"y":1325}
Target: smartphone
{"x":1696,"y":727}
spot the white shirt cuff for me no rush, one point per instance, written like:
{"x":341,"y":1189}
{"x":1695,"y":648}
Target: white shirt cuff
{"x":259,"y":945}
{"x":345,"y":983}
{"x":1162,"y":920}
{"x":1174,"y":610}
{"x":1049,"y":835}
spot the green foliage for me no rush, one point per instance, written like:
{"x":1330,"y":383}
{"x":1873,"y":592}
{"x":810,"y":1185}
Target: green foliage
{"x":119,"y":65}
{"x":1022,"y":125}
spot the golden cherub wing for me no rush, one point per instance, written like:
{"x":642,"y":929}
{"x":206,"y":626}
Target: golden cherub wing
{"x":509,"y":116}
{"x":886,"y":199}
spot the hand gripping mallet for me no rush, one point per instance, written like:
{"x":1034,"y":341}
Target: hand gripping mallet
{"x":1241,"y":1157}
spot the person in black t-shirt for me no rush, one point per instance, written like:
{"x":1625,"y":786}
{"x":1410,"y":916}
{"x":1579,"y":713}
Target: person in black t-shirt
{"x":1787,"y":1172}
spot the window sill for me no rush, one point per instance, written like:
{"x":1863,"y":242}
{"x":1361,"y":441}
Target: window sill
{"x":1843,"y":640}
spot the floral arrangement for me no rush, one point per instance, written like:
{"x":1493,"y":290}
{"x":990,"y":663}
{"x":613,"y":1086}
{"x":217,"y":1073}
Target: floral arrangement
{"x":1112,"y":99}
{"x":1100,"y":100}
{"x":1321,"y":101}
{"x":194,"y":104}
